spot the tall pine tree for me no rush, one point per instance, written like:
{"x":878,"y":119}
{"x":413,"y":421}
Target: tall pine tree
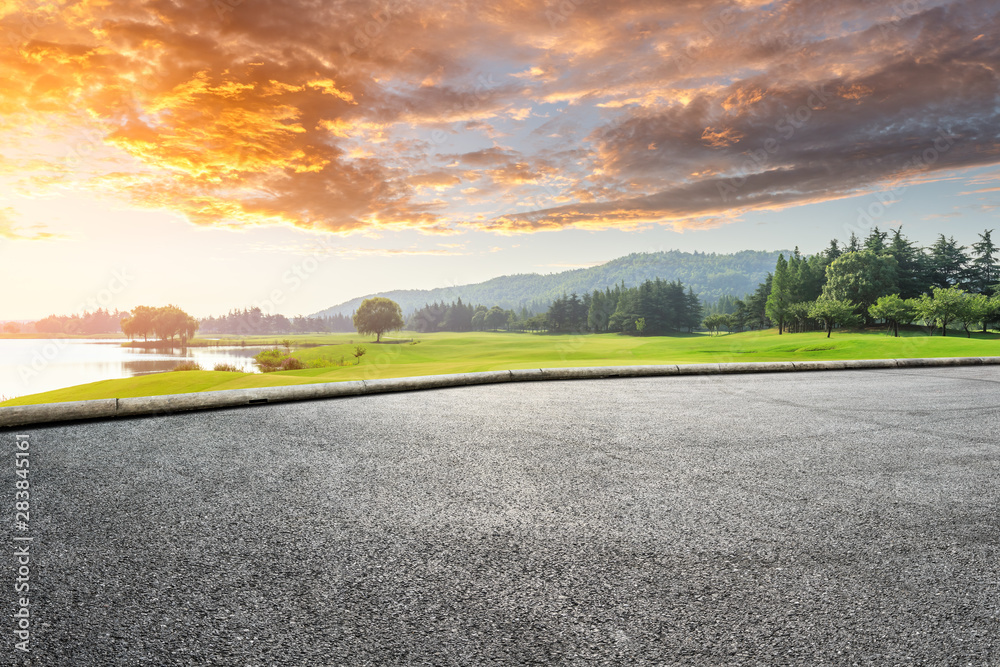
{"x":984,"y":271}
{"x":780,"y":297}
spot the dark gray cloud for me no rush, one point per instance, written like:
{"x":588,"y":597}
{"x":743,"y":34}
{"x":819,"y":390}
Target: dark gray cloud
{"x":352,"y":116}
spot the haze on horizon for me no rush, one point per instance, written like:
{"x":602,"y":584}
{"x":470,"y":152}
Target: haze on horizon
{"x":206,"y":150}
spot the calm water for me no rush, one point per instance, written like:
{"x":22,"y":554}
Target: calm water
{"x":31,"y":366}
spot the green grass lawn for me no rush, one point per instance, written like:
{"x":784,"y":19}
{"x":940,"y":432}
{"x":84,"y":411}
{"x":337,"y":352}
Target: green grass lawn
{"x":440,"y":353}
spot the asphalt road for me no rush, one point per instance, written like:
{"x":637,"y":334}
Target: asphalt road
{"x":803,"y":518}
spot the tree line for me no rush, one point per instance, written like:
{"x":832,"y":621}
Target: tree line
{"x":459,"y":316}
{"x":884,"y":278}
{"x":255,"y":321}
{"x":246,"y":321}
{"x":166,"y":323}
{"x":100,"y":321}
{"x":654,"y":307}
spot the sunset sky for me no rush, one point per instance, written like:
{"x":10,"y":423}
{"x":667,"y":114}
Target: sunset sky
{"x":295,"y":154}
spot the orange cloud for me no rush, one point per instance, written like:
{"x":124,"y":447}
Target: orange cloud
{"x":743,"y":98}
{"x":9,"y":231}
{"x":438,"y":180}
{"x":720,"y":138}
{"x":658,"y":113}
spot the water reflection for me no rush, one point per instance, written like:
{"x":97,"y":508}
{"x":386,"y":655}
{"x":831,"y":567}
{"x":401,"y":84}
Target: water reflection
{"x":28,"y":366}
{"x":145,"y":367}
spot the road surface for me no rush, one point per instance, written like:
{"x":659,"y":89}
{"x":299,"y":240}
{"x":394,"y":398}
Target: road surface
{"x":809,"y":518}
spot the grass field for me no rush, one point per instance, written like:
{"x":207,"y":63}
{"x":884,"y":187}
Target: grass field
{"x":435,"y":354}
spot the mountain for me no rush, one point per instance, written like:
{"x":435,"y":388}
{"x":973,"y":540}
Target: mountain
{"x":710,"y":275}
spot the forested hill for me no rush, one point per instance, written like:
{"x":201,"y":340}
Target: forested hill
{"x":710,"y":275}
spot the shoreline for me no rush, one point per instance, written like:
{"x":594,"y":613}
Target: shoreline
{"x":226,"y":340}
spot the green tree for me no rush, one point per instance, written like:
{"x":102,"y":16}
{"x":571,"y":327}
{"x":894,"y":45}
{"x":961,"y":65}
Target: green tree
{"x":378,"y":315}
{"x":359,"y":351}
{"x":875,"y":242}
{"x":812,"y":274}
{"x":832,"y":251}
{"x":171,"y":321}
{"x":976,"y":309}
{"x":756,"y":305}
{"x":458,"y":317}
{"x":692,"y":312}
{"x":795,"y":262}
{"x":190,"y":327}
{"x":780,"y":297}
{"x":640,"y":325}
{"x":984,"y":270}
{"x":716,"y":322}
{"x":833,"y":311}
{"x":140,"y":323}
{"x":853,"y":244}
{"x":479,"y":320}
{"x":948,"y":263}
{"x":797,"y":316}
{"x":892,"y":310}
{"x":860,"y":277}
{"x":942,"y":307}
{"x":165,"y":322}
{"x":495,"y":318}
{"x":602,"y":307}
{"x":911,"y":265}
{"x":739,"y":317}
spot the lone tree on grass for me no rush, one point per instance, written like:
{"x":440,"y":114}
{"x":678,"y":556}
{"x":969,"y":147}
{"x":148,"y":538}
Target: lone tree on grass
{"x":833,"y":311}
{"x":378,"y":315}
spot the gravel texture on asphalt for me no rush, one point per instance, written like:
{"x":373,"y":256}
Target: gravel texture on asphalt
{"x":811,"y":518}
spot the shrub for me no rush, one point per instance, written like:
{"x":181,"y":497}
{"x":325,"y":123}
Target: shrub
{"x":359,"y":351}
{"x":275,"y":360}
{"x":229,"y":368}
{"x":291,"y":364}
{"x":187,"y":366}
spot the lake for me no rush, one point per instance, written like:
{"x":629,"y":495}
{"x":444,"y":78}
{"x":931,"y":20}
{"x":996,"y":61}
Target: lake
{"x":28,"y":366}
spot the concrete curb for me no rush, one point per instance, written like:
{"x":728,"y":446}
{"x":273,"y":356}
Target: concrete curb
{"x":110,"y":408}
